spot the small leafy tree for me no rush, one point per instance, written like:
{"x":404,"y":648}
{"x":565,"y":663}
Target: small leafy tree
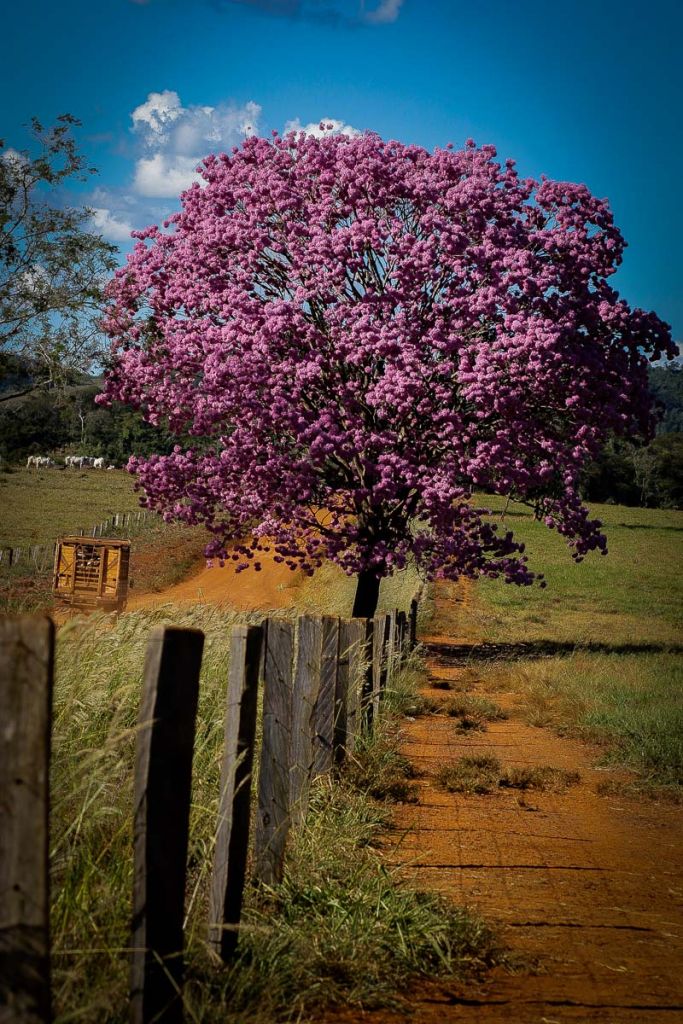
{"x":51,"y":265}
{"x":362,"y":333}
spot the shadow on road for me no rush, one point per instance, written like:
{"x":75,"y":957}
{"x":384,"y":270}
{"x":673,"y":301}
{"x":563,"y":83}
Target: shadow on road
{"x":463,"y":654}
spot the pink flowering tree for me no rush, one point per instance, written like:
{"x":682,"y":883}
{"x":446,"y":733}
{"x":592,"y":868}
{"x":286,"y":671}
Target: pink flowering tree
{"x":356,"y":335}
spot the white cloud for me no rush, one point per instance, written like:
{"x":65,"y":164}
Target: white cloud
{"x":318,"y":129}
{"x":384,"y":14}
{"x":164,"y":176}
{"x":158,"y":111}
{"x":109,"y":225}
{"x":176,"y":138}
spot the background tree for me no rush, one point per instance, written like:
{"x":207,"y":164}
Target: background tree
{"x":51,"y":265}
{"x":367,"y":333}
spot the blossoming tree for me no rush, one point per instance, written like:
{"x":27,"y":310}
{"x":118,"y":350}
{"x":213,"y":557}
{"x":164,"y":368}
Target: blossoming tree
{"x":361,"y":333}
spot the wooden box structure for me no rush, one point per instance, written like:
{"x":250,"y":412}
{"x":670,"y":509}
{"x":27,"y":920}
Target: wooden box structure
{"x":92,"y":573}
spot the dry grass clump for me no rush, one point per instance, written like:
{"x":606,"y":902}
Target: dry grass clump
{"x":483,"y":774}
{"x":470,"y":775}
{"x":423,"y":706}
{"x":544,"y":777}
{"x":474,"y":707}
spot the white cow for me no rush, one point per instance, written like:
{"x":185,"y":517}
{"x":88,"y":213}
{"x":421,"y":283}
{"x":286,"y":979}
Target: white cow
{"x":39,"y":462}
{"x":98,"y":464}
{"x":109,"y":468}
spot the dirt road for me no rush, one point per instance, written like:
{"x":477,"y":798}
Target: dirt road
{"x":275,"y":586}
{"x":586,"y":889}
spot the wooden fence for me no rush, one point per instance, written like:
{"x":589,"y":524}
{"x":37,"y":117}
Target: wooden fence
{"x":323,"y":682}
{"x":42,"y":556}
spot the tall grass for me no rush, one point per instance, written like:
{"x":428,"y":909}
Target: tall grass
{"x":633,"y":704}
{"x":340,"y":929}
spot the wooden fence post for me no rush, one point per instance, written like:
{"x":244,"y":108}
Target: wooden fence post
{"x":304,"y":697}
{"x":391,"y":645}
{"x":273,"y":819}
{"x":232,"y":835}
{"x":349,"y":681}
{"x":379,"y":664}
{"x":163,"y":778}
{"x":401,"y":638}
{"x":323,"y":743}
{"x":367,"y":687}
{"x":26,"y":666}
{"x":413,"y":623}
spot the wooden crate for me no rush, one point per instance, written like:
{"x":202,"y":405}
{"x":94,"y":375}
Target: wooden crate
{"x":92,"y":572}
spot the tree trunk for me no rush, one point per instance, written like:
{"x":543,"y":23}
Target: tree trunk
{"x":367,"y":595}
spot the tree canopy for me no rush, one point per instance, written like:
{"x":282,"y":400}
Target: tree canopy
{"x":52,"y":266}
{"x":363,"y":333}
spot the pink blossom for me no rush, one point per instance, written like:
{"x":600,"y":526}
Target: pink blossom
{"x":366,"y":328}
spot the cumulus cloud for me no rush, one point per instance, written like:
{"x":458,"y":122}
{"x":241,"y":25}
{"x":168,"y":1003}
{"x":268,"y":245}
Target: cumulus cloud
{"x":326,"y":126}
{"x":175,"y":138}
{"x":164,"y":176}
{"x":159,"y":110}
{"x":108,"y":224}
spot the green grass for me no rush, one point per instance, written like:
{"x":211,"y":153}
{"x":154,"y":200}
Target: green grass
{"x":341,"y":929}
{"x":40,"y":505}
{"x":632,"y":704}
{"x":633,"y":594}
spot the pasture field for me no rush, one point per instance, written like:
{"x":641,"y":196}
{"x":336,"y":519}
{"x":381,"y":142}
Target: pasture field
{"x":633,"y":595}
{"x":617,"y":622}
{"x":39,"y":505}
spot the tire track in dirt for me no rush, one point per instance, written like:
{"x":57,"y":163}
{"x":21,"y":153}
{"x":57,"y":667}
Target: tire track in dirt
{"x":586,"y":890}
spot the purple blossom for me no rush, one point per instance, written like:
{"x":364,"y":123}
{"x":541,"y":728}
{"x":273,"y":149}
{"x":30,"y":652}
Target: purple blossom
{"x":369,"y":329}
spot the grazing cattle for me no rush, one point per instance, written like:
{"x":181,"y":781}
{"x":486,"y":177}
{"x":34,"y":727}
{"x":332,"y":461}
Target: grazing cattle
{"x":82,"y":461}
{"x":98,"y":464}
{"x":39,"y":462}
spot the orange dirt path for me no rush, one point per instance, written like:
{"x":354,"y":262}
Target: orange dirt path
{"x":585,"y":889}
{"x":275,"y":586}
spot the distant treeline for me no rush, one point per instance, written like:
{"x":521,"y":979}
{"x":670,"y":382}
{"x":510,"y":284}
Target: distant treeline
{"x":43,"y":422}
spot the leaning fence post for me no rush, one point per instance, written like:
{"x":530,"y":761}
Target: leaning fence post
{"x":163,"y":776}
{"x":26,"y":666}
{"x":323,"y":743}
{"x":232,"y":835}
{"x":304,"y":696}
{"x":273,"y":819}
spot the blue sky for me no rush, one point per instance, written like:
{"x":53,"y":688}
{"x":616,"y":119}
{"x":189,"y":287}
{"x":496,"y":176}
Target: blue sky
{"x":581,"y":90}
